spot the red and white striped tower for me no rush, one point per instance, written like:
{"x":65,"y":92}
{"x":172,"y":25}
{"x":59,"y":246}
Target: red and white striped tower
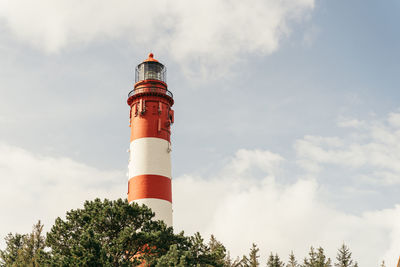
{"x":149,"y":155}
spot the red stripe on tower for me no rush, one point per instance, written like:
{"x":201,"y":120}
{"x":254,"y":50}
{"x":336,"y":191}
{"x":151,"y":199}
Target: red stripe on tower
{"x":149,"y":186}
{"x":150,"y":119}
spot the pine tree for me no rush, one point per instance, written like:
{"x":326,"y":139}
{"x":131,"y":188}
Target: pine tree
{"x":292,"y":261}
{"x":311,"y":261}
{"x":317,"y":259}
{"x":344,"y":257}
{"x":14,"y":245}
{"x":232,"y":263}
{"x":174,"y":257}
{"x":254,"y":256}
{"x":194,"y":253}
{"x":217,"y":250}
{"x":322,"y":260}
{"x":278,"y":262}
{"x":24,"y":250}
{"x":270,"y":262}
{"x":34,"y":245}
{"x":252,"y":261}
{"x":274,"y":261}
{"x":108,"y":233}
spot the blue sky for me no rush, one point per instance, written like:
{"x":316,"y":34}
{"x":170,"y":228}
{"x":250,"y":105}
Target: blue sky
{"x":280,"y":105}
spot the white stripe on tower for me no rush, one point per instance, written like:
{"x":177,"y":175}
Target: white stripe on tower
{"x":161,"y":208}
{"x":150,"y":155}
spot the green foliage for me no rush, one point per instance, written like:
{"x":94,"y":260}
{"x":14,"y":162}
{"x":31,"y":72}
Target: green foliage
{"x":292,"y":261}
{"x":197,"y":254}
{"x":344,"y":257}
{"x":108,"y":233}
{"x":252,"y":260}
{"x":218,"y":251}
{"x":174,"y":257}
{"x":232,"y":263}
{"x":24,"y":250}
{"x":317,"y":259}
{"x":116,"y":233}
{"x":14,"y":247}
{"x":274,"y":261}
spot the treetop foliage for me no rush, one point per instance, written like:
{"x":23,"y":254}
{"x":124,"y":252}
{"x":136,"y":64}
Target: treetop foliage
{"x":24,"y":250}
{"x":274,"y":261}
{"x":344,"y":257}
{"x":116,"y":233}
{"x":109,"y":233}
{"x":292,"y":261}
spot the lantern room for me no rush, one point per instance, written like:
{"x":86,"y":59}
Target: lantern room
{"x":150,"y":69}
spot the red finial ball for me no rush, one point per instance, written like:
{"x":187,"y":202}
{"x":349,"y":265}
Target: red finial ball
{"x":150,"y":58}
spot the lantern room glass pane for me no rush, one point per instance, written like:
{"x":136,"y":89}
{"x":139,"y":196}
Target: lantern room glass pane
{"x":150,"y":71}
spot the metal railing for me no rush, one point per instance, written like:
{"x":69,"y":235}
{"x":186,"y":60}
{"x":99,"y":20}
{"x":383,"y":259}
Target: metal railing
{"x":151,"y":90}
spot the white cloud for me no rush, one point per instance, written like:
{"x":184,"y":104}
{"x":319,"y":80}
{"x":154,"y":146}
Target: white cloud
{"x":394,"y":119}
{"x":245,"y":160}
{"x":374,"y":145}
{"x":209,"y":32}
{"x":350,"y":123}
{"x":34,"y":187}
{"x":241,"y":209}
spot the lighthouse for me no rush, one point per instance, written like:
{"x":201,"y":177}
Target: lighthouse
{"x":151,"y":117}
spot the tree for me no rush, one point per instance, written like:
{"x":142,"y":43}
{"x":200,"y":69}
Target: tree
{"x":274,"y":261}
{"x":252,"y":260}
{"x":109,"y":233}
{"x":24,"y":250}
{"x":14,"y":245}
{"x":311,"y":261}
{"x":322,"y":261}
{"x":34,"y":244}
{"x":174,"y":257}
{"x":196,"y":254}
{"x":344,"y":257}
{"x":317,"y":259}
{"x":229,"y":262}
{"x":217,"y":250}
{"x":292,"y":261}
